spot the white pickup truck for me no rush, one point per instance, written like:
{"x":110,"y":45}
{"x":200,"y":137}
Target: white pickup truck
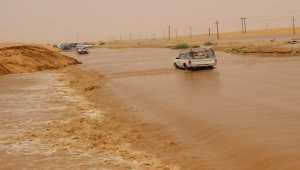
{"x":196,"y":58}
{"x":85,"y":45}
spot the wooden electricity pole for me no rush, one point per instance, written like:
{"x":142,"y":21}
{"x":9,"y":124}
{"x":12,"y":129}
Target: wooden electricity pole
{"x":294,"y":25}
{"x":208,"y":31}
{"x":176,"y":32}
{"x":169,"y":32}
{"x":245,"y":25}
{"x":217,"y":24}
{"x":191,"y":32}
{"x":242,"y":25}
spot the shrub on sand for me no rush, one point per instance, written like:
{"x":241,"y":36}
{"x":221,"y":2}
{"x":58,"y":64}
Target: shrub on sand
{"x":181,"y":46}
{"x":208,"y":43}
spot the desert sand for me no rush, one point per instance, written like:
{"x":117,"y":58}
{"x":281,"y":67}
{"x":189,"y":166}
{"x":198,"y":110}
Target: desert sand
{"x":260,"y":42}
{"x":23,"y":58}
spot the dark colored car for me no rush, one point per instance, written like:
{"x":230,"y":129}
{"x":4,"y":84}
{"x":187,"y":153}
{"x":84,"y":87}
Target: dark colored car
{"x":82,"y":50}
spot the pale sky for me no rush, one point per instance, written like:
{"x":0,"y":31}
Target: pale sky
{"x":54,"y":21}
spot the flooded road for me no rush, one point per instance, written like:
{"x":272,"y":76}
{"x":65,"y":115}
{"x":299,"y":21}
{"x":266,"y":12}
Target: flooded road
{"x":244,"y":114}
{"x":48,"y":121}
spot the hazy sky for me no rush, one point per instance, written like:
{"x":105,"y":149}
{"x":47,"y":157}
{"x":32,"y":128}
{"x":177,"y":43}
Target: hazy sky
{"x":53,"y":21}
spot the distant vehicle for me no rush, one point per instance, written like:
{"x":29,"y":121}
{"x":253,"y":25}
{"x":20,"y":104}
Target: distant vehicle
{"x":57,"y":45}
{"x":196,"y":58}
{"x":82,"y":50}
{"x":65,"y":46}
{"x":73,"y":45}
{"x":86,"y":45}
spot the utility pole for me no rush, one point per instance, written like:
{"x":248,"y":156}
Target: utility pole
{"x":242,"y":25}
{"x":169,"y":32}
{"x":245,"y":25}
{"x":208,"y":31}
{"x":294,"y":25}
{"x":217,"y":24}
{"x":191,"y":32}
{"x":176,"y":32}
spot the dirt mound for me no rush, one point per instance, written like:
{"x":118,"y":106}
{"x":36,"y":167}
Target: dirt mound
{"x":30,"y":58}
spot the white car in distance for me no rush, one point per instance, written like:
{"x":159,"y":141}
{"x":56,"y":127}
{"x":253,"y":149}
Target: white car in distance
{"x":85,"y":45}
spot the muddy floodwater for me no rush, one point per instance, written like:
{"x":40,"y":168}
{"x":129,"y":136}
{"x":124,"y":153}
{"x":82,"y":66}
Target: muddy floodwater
{"x":242,"y":115}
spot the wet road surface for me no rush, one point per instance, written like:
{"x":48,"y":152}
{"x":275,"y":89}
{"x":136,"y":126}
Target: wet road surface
{"x":244,"y":114}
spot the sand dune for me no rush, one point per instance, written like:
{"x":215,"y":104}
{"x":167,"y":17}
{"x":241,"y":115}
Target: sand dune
{"x":23,"y":58}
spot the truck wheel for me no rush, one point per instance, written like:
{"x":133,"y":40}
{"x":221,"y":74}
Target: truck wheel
{"x":185,"y":67}
{"x":175,"y":65}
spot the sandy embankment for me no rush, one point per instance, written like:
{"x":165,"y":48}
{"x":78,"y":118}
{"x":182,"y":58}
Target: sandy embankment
{"x":265,"y":48}
{"x":232,"y":42}
{"x":23,"y":58}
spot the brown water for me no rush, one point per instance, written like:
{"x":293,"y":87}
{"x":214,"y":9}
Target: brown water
{"x":47,"y":123}
{"x":244,"y":114}
{"x":30,"y":102}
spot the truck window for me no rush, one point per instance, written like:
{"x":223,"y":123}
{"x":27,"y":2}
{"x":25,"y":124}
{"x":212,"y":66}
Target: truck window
{"x":211,"y":53}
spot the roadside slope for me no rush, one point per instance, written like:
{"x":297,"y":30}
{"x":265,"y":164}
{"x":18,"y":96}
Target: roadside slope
{"x":30,"y":58}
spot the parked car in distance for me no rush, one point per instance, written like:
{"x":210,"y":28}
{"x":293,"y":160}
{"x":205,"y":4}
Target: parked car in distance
{"x":196,"y":58}
{"x":86,"y":45}
{"x":73,"y":45}
{"x":64,"y":46}
{"x":82,"y":50}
